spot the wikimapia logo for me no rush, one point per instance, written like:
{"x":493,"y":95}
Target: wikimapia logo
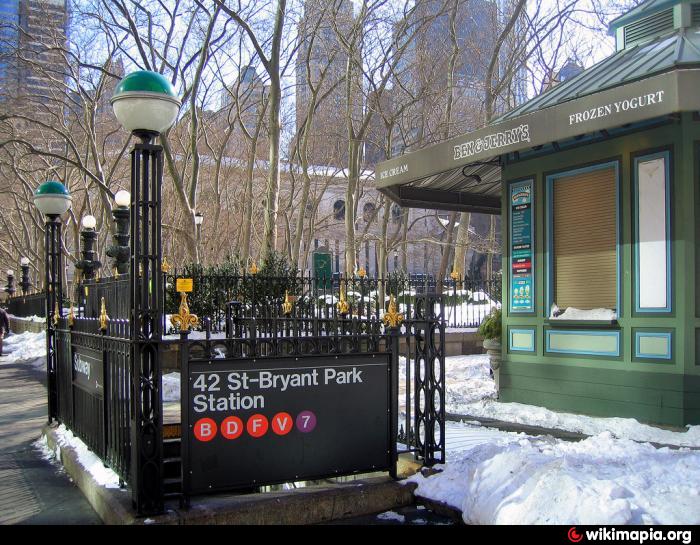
{"x":637,"y":536}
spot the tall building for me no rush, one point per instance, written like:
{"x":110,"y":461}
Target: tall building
{"x":321,"y":63}
{"x":32,"y":34}
{"x":425,"y":67}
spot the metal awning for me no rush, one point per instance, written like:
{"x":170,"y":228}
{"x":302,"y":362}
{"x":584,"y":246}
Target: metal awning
{"x":464,"y":173}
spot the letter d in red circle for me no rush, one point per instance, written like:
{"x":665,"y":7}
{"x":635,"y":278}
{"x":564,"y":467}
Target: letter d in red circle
{"x":232,"y":427}
{"x":205,"y":429}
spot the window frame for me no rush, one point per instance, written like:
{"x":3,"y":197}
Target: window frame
{"x":639,"y":157}
{"x":550,"y":180}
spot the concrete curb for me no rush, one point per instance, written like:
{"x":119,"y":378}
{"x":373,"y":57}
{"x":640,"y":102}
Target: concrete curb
{"x":537,"y":430}
{"x":310,"y":505}
{"x":112,"y":505}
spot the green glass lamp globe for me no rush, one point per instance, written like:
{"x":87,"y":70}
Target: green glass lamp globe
{"x":144,"y":101}
{"x":52,"y":198}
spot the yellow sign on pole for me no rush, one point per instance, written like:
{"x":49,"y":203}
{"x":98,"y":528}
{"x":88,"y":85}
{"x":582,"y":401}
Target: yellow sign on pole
{"x":184,"y":285}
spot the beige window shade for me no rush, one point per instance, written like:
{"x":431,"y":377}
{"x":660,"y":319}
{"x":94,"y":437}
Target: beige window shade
{"x":585,"y":236}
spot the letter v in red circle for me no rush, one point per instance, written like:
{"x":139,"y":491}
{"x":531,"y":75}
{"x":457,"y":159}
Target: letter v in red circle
{"x":282,"y":423}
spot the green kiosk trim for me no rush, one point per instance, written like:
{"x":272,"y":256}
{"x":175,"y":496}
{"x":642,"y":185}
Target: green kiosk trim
{"x":597,"y":182}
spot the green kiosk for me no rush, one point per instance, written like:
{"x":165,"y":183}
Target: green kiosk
{"x":598,"y":185}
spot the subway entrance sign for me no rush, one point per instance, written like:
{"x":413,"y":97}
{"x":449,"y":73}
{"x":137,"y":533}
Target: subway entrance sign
{"x":252,"y":422}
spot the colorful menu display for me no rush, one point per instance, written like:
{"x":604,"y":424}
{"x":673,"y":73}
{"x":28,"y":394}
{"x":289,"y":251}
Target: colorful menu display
{"x":521,"y":248}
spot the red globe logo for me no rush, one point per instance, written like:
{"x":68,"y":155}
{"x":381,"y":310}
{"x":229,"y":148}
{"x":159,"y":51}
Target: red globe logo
{"x":574,"y":536}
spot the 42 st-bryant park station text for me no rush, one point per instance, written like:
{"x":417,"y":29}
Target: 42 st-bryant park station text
{"x":233,"y":396}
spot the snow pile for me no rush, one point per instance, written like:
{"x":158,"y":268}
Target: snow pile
{"x":572,"y":313}
{"x":25,"y":347}
{"x":34,"y":318}
{"x":171,"y":387}
{"x":601,"y":480}
{"x":531,"y":415}
{"x":468,"y":380}
{"x":391,"y":515}
{"x":102,"y":475}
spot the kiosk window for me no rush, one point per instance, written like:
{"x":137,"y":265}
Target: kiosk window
{"x":584,"y":239}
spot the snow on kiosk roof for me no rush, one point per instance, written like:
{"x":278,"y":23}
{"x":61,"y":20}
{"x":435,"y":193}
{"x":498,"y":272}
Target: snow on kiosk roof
{"x":641,"y":81}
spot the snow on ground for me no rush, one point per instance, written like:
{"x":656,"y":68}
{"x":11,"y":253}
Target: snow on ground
{"x":34,"y":318}
{"x":171,"y":387}
{"x":25,"y":347}
{"x":613,"y":477}
{"x":91,"y":463}
{"x":517,"y":479}
{"x":391,"y":515}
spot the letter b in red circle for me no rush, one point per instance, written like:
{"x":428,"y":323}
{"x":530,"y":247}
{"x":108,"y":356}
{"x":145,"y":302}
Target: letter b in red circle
{"x":205,"y":429}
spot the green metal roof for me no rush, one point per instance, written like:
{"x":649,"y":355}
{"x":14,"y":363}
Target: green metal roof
{"x":680,"y":49}
{"x":643,"y":10}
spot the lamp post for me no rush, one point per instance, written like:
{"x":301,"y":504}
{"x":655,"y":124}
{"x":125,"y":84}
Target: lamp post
{"x":198,"y":220}
{"x":53,"y":200}
{"x":119,"y":252}
{"x":88,"y":264}
{"x":25,"y":284}
{"x":145,"y":104}
{"x":10,"y":288}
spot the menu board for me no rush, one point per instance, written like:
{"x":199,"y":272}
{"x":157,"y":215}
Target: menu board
{"x":521,"y":247}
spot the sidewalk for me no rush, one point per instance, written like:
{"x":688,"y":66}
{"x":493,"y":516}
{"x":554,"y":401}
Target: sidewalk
{"x":32,"y":491}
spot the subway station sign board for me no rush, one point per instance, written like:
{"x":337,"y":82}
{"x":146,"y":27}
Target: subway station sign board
{"x":266,"y":421}
{"x":88,"y":370}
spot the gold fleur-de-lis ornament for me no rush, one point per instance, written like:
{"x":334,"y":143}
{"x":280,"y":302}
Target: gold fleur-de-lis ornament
{"x":287,"y":305}
{"x":183,"y":319}
{"x":392,"y":318}
{"x":342,"y":305}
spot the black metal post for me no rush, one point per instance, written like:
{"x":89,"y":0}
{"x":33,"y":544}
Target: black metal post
{"x":54,"y":302}
{"x":10,"y":288}
{"x":120,"y":250}
{"x":89,"y":264}
{"x":25,"y":283}
{"x":146,"y":326}
{"x":393,"y":339}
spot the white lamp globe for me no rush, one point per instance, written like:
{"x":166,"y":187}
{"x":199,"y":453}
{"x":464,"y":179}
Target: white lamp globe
{"x":24,"y":261}
{"x":198,"y":218}
{"x":52,"y":198}
{"x":10,"y":272}
{"x":145,"y":101}
{"x":122,"y":198}
{"x":89,"y":222}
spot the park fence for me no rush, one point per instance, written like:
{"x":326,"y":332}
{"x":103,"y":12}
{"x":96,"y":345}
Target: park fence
{"x":392,"y":330}
{"x":467,"y":301}
{"x":398,"y":407}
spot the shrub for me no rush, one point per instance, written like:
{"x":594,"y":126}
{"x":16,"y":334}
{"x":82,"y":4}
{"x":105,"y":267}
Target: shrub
{"x":490,"y":328}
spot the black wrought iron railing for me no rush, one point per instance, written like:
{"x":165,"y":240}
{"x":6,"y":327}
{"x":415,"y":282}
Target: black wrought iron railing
{"x":24,"y":306}
{"x":297,"y":303}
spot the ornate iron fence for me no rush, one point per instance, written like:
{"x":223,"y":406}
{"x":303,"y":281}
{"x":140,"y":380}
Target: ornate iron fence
{"x":311,"y":300}
{"x":94,"y":386}
{"x":94,"y":368}
{"x":24,"y":306}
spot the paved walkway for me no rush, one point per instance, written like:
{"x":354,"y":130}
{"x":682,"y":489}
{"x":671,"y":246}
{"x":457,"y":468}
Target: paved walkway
{"x":32,"y":490}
